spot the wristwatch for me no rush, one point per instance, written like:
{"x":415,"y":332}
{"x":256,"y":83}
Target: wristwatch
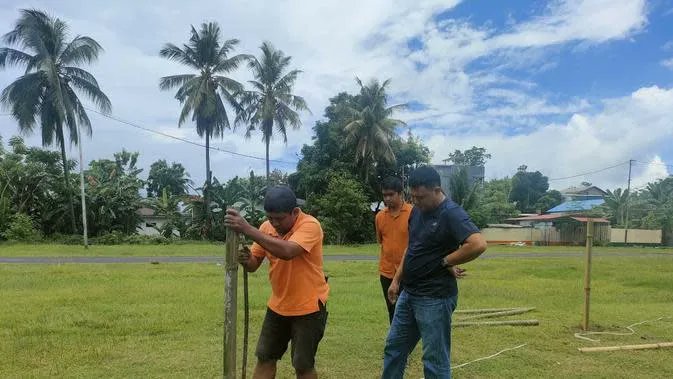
{"x":444,"y":264}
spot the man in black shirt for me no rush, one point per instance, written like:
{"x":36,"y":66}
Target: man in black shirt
{"x":430,"y":294}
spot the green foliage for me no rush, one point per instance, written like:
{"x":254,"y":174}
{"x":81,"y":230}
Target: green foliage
{"x":22,"y":229}
{"x":527,"y":189}
{"x":494,"y":206}
{"x":548,"y":201}
{"x":31,"y":183}
{"x":330,"y":155}
{"x":616,"y":201}
{"x":172,"y":178}
{"x":371,"y":128}
{"x":462,"y":193}
{"x":113,"y":194}
{"x":475,"y":156}
{"x":344,"y":211}
{"x":48,"y":91}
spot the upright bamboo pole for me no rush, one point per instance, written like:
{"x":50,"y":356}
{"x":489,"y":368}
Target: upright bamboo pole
{"x":230,"y":289}
{"x":587,"y":273}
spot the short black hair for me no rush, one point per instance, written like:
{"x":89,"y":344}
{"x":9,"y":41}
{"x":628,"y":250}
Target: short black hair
{"x":425,"y":176}
{"x":392,"y":183}
{"x":279,"y":199}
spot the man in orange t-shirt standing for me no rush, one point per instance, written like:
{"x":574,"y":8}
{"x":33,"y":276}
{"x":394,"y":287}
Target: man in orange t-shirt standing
{"x":392,"y":233}
{"x":292,"y":242}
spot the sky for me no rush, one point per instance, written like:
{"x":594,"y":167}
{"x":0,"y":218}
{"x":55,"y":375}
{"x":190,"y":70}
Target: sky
{"x":572,"y":88}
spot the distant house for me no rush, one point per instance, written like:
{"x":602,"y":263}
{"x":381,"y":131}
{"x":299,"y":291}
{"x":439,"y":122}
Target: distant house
{"x":475,"y":174}
{"x":579,"y":199}
{"x":150,"y":222}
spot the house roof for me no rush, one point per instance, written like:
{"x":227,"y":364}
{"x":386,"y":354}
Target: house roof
{"x":552,"y":217}
{"x":580,"y":190}
{"x":577,"y":205}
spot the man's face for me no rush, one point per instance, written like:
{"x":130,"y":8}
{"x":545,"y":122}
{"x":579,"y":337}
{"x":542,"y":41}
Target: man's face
{"x":282,"y":221}
{"x":391,"y":198}
{"x":424,"y":198}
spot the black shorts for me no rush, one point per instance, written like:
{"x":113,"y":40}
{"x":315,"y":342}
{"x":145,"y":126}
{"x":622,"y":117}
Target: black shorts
{"x":305,"y":332}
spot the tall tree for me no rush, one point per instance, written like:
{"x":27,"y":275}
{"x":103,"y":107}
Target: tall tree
{"x":371,"y":127}
{"x":462,"y":192}
{"x":528,"y":188}
{"x":616,"y":201}
{"x":162,"y":177}
{"x":49,"y":88}
{"x":475,"y":156}
{"x":204,"y":94}
{"x":271,"y":101}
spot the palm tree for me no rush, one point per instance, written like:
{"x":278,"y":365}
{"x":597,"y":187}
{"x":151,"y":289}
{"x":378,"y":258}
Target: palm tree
{"x":617,"y":200}
{"x":271,"y":102}
{"x":205,"y":93}
{"x":371,"y":127}
{"x":48,"y":89}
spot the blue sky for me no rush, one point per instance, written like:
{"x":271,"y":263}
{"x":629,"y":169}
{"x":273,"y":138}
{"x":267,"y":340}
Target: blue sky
{"x":563,"y":86}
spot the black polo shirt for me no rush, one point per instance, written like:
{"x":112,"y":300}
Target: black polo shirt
{"x":432,"y":236}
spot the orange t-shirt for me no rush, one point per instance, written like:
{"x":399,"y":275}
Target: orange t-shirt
{"x":392,"y":233}
{"x":296,"y":284}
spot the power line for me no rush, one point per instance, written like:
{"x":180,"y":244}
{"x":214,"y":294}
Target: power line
{"x":591,"y":172}
{"x":129,"y":123}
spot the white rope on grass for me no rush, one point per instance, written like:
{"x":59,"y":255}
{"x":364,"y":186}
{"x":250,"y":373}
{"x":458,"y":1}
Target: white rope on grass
{"x":489,"y":357}
{"x":583,"y":335}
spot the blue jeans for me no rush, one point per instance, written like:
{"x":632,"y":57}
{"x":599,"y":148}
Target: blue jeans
{"x":419,"y":317}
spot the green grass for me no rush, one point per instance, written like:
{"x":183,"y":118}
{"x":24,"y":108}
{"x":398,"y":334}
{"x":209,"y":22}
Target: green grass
{"x":138,"y":320}
{"x":213,"y":249}
{"x":187,"y":249}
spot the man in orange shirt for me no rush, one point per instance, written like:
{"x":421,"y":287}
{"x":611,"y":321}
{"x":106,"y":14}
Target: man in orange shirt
{"x":292,"y":242}
{"x":392,"y":233}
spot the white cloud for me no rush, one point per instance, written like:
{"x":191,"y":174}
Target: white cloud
{"x":630,"y":127}
{"x":333,"y":41}
{"x":655,"y":169}
{"x":668,"y":63}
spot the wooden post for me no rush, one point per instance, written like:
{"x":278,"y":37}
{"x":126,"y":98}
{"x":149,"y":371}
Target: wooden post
{"x":587,"y":273}
{"x":230,"y":289}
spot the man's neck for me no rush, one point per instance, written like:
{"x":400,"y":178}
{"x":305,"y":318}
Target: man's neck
{"x":396,"y":207}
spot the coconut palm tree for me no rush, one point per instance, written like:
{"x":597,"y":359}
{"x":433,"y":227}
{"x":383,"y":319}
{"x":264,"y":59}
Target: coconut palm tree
{"x":47,"y":92}
{"x":205,"y":93}
{"x":371,"y":128}
{"x":271,"y":102}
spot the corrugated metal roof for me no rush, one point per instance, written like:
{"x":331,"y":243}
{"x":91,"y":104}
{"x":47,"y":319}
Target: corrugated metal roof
{"x":577,"y":205}
{"x":551,"y":217}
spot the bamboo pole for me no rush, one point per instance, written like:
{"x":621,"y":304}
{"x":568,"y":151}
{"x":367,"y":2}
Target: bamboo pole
{"x":626,"y":347}
{"x":496,"y":323}
{"x":230,"y":289}
{"x":485,"y":310}
{"x":499,"y":314}
{"x":587,"y":273}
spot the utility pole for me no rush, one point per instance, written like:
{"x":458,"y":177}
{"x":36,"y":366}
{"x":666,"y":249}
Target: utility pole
{"x":628,"y":200}
{"x":85,"y":230}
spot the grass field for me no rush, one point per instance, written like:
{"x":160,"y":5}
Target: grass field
{"x":142,"y":320}
{"x":205,"y":249}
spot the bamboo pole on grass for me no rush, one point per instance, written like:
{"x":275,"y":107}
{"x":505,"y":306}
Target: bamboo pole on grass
{"x":587,"y":273}
{"x":626,"y":347}
{"x":499,"y":314}
{"x":496,"y":323}
{"x":230,"y":289}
